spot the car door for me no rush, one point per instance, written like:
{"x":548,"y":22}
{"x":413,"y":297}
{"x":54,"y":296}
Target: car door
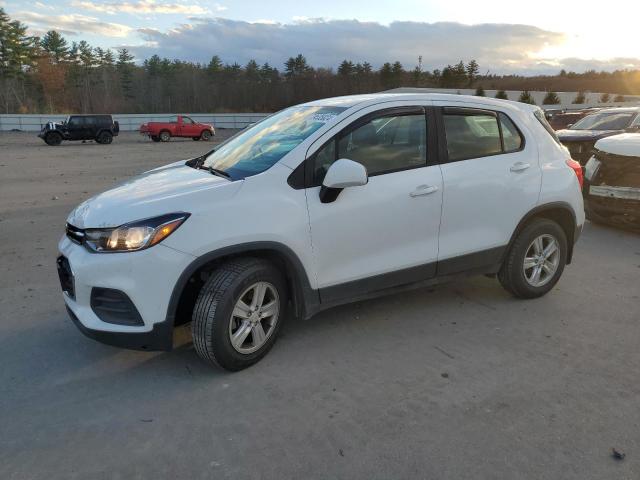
{"x":492,"y":179}
{"x":188,"y":128}
{"x":385,"y":233}
{"x":76,"y":128}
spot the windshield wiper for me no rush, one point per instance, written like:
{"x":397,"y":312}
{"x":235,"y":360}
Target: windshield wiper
{"x":216,"y":171}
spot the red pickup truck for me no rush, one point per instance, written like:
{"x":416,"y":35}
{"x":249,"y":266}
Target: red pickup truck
{"x":177,"y":126}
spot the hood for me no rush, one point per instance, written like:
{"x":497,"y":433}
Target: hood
{"x":172,"y":188}
{"x":584,"y":135}
{"x":626,"y":144}
{"x":53,"y":125}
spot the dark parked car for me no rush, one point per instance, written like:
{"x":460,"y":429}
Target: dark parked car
{"x":563,"y":119}
{"x":612,"y":181}
{"x":100,"y":128}
{"x":580,"y":137}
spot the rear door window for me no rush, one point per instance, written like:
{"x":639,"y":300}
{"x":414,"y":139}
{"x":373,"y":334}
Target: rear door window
{"x":471,"y":134}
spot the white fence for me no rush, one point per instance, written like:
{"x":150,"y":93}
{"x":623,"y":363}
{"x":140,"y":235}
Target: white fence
{"x":131,"y":122}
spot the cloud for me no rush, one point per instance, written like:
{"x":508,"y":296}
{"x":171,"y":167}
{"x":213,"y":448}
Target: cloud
{"x":147,"y":6}
{"x":73,"y":23}
{"x":499,"y":47}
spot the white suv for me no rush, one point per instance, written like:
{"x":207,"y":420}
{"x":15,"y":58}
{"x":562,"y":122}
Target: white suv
{"x":320,"y":204}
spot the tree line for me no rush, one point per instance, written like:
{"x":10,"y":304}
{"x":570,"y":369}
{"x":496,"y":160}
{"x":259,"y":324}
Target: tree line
{"x":50,"y":75}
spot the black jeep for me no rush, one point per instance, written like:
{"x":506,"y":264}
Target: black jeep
{"x":100,"y":128}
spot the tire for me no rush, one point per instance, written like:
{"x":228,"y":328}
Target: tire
{"x":155,"y":139}
{"x":520,"y":281}
{"x":165,"y":136}
{"x":205,"y":135}
{"x":195,"y":139}
{"x":104,"y":138}
{"x":54,"y":139}
{"x":214,"y":321}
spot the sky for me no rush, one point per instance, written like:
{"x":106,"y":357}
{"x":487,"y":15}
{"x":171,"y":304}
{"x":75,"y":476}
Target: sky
{"x":504,"y":37}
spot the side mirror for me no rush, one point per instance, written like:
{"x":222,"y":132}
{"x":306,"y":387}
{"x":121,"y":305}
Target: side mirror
{"x":343,"y":173}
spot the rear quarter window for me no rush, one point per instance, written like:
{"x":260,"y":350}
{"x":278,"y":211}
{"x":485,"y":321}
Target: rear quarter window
{"x":543,"y":121}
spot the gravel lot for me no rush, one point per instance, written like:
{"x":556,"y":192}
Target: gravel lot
{"x":460,"y":381}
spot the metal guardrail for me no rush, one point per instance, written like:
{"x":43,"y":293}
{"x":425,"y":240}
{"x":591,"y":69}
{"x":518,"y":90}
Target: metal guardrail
{"x":131,"y":122}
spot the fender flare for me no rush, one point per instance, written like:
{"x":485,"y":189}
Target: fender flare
{"x":305,"y":299}
{"x":572,"y":234}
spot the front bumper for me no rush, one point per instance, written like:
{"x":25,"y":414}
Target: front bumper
{"x":147,"y":277}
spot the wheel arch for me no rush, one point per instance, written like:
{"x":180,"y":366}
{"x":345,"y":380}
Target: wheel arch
{"x":185,"y":291}
{"x":560,"y":212}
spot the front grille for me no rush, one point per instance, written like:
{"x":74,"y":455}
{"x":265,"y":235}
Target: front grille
{"x":75,"y":234}
{"x":114,"y":306}
{"x":66,"y":277}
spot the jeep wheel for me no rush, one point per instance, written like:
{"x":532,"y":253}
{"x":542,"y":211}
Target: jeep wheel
{"x":105,"y":138}
{"x":155,"y":139}
{"x":205,"y":135}
{"x":536,"y":260}
{"x":238,"y":313}
{"x":53,"y":139}
{"x":165,"y":136}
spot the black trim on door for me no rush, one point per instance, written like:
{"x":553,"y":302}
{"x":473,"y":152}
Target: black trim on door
{"x":377,"y":283}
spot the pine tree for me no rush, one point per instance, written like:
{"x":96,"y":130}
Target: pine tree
{"x":215,"y":65}
{"x":605,"y":98}
{"x":551,"y":98}
{"x":525,"y":97}
{"x":502,"y":95}
{"x":297,"y":67}
{"x":580,"y":98}
{"x":125,"y":67}
{"x":480,"y":92}
{"x":55,"y":45}
{"x":346,"y":68}
{"x":472,"y":71}
{"x":619,"y":98}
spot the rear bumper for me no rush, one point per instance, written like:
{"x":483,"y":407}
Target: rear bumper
{"x":608,"y":208}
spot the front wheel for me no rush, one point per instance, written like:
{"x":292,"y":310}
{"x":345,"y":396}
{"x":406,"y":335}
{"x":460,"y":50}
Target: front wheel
{"x":238,"y":313}
{"x":205,"y":135}
{"x":535,"y":260}
{"x":165,"y":136}
{"x":53,"y":138}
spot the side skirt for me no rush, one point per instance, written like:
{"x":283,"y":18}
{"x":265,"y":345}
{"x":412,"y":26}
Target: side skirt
{"x":478,"y":263}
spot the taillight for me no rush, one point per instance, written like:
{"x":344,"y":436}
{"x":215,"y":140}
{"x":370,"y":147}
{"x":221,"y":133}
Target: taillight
{"x":577,"y":168}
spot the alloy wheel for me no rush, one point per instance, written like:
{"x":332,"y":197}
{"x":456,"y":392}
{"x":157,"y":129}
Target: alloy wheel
{"x":254,"y":317}
{"x":541,"y":260}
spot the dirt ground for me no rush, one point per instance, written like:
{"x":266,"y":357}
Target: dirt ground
{"x":457,"y":381}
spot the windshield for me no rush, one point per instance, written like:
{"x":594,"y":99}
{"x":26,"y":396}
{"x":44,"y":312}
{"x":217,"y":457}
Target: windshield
{"x":263,"y":145}
{"x":604,"y":121}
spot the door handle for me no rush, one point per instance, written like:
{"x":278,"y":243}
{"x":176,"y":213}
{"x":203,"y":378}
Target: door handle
{"x":519,"y":167}
{"x":423,"y":190}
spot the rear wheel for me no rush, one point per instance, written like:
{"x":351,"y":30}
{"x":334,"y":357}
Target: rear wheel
{"x":165,"y":136}
{"x":155,"y":139}
{"x":536,"y":260}
{"x":104,"y":138}
{"x":53,"y":139}
{"x":205,"y":135}
{"x":238,"y":313}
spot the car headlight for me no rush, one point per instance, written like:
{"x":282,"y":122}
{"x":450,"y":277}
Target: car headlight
{"x":133,"y":236}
